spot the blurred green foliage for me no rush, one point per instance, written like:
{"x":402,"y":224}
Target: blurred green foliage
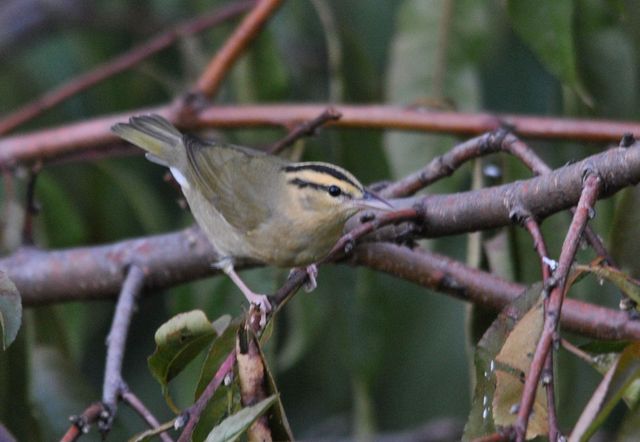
{"x":364,"y":353}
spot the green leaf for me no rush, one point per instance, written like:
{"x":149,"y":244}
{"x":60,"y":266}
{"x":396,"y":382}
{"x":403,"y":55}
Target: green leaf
{"x":10,"y":310}
{"x":628,"y":285}
{"x":546,"y":26}
{"x":612,"y":388}
{"x":178,"y":342}
{"x":481,"y":419}
{"x":603,"y":347}
{"x":234,"y":426}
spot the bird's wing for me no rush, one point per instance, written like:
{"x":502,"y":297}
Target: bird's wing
{"x":236,"y":180}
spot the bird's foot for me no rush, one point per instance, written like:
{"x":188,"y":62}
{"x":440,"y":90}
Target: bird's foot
{"x":310,"y":283}
{"x":260,"y":301}
{"x":262,"y":304}
{"x":312,"y":276}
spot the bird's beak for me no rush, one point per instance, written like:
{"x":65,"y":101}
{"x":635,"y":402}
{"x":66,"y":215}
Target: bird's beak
{"x":372,"y":201}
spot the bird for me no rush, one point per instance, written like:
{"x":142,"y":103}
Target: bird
{"x":253,"y":205}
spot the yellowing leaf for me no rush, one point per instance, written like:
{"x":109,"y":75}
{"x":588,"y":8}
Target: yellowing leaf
{"x":481,"y":418}
{"x":512,"y":367}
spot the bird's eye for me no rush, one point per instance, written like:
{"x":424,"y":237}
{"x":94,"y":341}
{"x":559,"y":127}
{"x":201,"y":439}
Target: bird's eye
{"x":334,"y":191}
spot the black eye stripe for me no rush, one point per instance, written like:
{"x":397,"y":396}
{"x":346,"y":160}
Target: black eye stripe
{"x":332,"y":190}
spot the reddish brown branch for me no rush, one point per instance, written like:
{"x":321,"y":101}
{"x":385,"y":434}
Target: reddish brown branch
{"x":193,"y":413}
{"x":80,"y":424}
{"x":444,"y":165}
{"x":445,"y":275}
{"x":210,"y":80}
{"x":552,"y":315}
{"x":548,"y":374}
{"x":51,"y":143}
{"x":119,"y":64}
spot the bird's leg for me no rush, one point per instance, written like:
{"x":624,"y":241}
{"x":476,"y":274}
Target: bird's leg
{"x":261,"y":301}
{"x":310,"y":283}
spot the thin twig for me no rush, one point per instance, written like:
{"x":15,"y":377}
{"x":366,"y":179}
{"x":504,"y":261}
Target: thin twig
{"x":444,"y":165}
{"x":116,"y":341}
{"x":192,"y":414}
{"x":305,"y":129}
{"x":576,"y":351}
{"x":552,"y":316}
{"x":548,"y":375}
{"x":80,"y":424}
{"x":347,"y":241}
{"x":119,"y":64}
{"x":211,"y":79}
{"x":539,"y":245}
{"x":129,"y":398}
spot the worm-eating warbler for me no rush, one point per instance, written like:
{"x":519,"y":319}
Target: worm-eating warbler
{"x":254,"y":205}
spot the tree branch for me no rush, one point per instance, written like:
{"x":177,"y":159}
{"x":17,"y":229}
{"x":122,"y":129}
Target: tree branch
{"x":95,"y":272}
{"x":50,"y":143}
{"x":116,"y":341}
{"x":138,"y":406}
{"x":445,"y":275}
{"x":592,"y":185}
{"x":548,"y":373}
{"x":541,"y":196}
{"x":210,"y":80}
{"x":80,"y":424}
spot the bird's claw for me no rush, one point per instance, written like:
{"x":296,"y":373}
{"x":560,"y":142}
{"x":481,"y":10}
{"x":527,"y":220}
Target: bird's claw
{"x":312,"y":274}
{"x":262,"y":304}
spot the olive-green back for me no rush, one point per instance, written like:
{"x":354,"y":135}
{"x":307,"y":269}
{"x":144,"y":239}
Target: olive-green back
{"x":241,"y":183}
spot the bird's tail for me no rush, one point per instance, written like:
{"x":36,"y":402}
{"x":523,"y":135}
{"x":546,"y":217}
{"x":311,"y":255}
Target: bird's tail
{"x":161,"y":140}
